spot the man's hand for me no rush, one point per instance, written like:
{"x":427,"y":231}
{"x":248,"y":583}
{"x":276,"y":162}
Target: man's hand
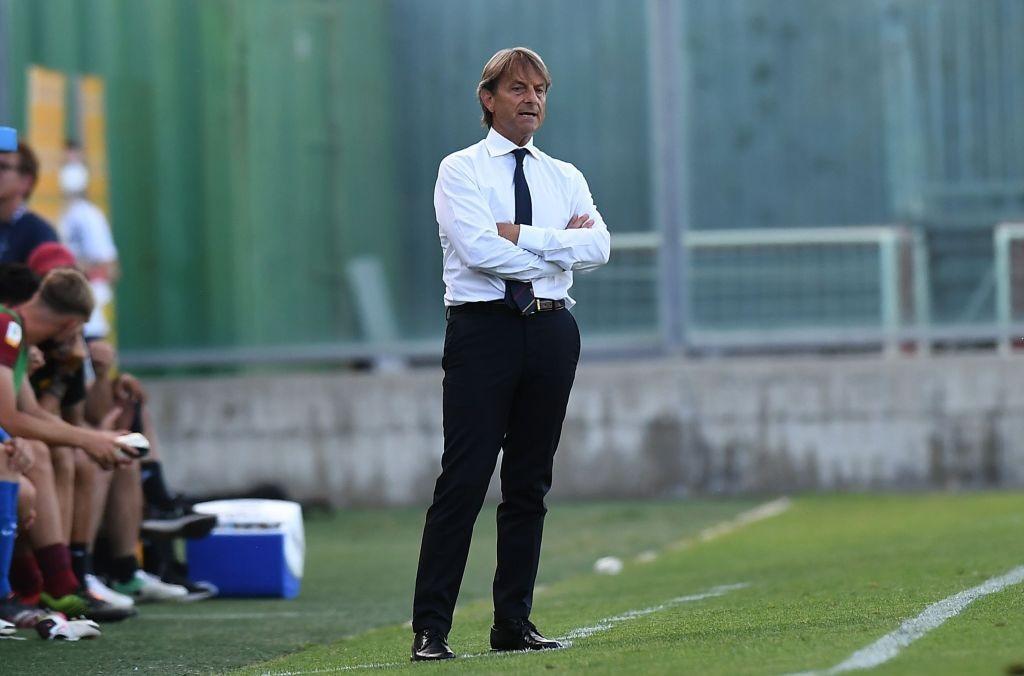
{"x":36,"y":360}
{"x":509,"y":231}
{"x":128,"y":390}
{"x":104,"y":449}
{"x":102,"y":354}
{"x":19,"y":455}
{"x":584,"y":221}
{"x":109,"y":421}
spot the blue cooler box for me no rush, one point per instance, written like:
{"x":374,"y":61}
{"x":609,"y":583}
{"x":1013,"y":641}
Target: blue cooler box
{"x":257,"y":549}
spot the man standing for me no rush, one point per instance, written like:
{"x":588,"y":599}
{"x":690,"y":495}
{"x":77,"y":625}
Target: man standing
{"x":514,"y":224}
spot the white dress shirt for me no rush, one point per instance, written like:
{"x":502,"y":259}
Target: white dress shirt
{"x":474,"y":192}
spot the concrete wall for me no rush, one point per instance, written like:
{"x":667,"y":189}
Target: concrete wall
{"x":634,"y":428}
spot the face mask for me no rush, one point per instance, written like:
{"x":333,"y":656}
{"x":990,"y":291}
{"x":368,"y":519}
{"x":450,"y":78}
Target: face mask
{"x":74,"y":178}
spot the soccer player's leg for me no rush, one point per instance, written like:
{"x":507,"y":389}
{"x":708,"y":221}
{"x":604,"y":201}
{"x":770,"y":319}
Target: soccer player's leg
{"x":17,"y":497}
{"x":92,"y":484}
{"x":123,"y":519}
{"x":9,"y":483}
{"x":62,"y":591}
{"x":47,"y":533}
{"x":63,"y":458}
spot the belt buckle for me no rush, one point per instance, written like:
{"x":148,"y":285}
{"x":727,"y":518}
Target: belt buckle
{"x":539,"y":305}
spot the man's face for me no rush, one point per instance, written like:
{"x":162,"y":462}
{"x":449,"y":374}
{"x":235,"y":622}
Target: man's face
{"x":66,"y":329}
{"x":517,"y":104}
{"x":11,"y":180}
{"x":70,"y":351}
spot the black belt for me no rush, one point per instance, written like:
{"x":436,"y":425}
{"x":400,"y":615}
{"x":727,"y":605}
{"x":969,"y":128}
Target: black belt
{"x":500,"y":307}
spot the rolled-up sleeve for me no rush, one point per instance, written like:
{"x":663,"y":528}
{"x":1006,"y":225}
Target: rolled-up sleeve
{"x":466,"y":220}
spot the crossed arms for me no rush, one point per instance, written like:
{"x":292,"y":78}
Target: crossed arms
{"x":516,"y":251}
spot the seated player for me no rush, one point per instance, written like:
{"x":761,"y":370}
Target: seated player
{"x":15,"y":458}
{"x":21,"y":232}
{"x":61,"y":389}
{"x":57,"y":310}
{"x":167,"y":518}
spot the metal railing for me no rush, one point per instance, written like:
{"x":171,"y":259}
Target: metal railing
{"x":794,"y":287}
{"x":1008,"y":241}
{"x":744,"y":290}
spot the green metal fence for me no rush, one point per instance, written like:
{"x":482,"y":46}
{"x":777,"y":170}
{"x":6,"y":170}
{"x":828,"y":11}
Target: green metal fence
{"x":250,"y":153}
{"x":260,"y":149}
{"x":955,"y":87}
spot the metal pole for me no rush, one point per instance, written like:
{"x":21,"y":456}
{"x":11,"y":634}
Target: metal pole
{"x":1004,"y":311}
{"x":922,"y":293}
{"x":888,"y":265}
{"x":669,"y":84}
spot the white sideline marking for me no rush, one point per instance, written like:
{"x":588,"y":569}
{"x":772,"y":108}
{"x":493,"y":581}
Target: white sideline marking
{"x":759,"y":513}
{"x":609,"y":622}
{"x":763,"y":511}
{"x":889,"y":646}
{"x":575,"y":634}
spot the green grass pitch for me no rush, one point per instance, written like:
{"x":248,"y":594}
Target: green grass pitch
{"x":798,"y":592}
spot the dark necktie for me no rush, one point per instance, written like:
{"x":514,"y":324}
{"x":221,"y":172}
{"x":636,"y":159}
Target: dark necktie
{"x":519,"y":295}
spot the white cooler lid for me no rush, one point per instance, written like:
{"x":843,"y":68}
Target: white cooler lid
{"x":253,"y":516}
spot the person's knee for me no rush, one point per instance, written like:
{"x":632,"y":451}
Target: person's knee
{"x":63,"y":458}
{"x":85,"y":469}
{"x":524,"y":498}
{"x":463,"y":495}
{"x":127,"y":479}
{"x":42,"y":465}
{"x":132,"y":472}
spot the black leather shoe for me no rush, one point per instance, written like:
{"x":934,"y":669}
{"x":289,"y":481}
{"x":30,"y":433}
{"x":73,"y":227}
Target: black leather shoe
{"x":430,"y":644}
{"x":519,"y":634}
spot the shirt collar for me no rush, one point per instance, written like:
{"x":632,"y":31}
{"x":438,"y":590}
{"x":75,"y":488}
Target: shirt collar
{"x":498,"y":145}
{"x":16,"y":216}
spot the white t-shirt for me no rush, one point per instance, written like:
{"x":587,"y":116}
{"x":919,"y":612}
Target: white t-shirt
{"x":86,"y":232}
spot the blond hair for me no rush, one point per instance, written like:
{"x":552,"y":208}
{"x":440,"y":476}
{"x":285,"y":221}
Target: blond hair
{"x":504,"y":62}
{"x":66,"y":291}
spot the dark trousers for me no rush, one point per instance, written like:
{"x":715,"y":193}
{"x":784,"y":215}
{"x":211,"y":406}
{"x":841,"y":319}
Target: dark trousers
{"x":506,"y":384}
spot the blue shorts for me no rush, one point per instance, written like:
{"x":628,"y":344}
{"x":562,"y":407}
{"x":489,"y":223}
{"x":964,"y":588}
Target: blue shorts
{"x":4,"y":436}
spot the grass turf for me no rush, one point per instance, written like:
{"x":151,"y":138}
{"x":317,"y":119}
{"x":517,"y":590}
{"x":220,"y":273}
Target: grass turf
{"x":830,"y":576}
{"x":359,"y":574}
